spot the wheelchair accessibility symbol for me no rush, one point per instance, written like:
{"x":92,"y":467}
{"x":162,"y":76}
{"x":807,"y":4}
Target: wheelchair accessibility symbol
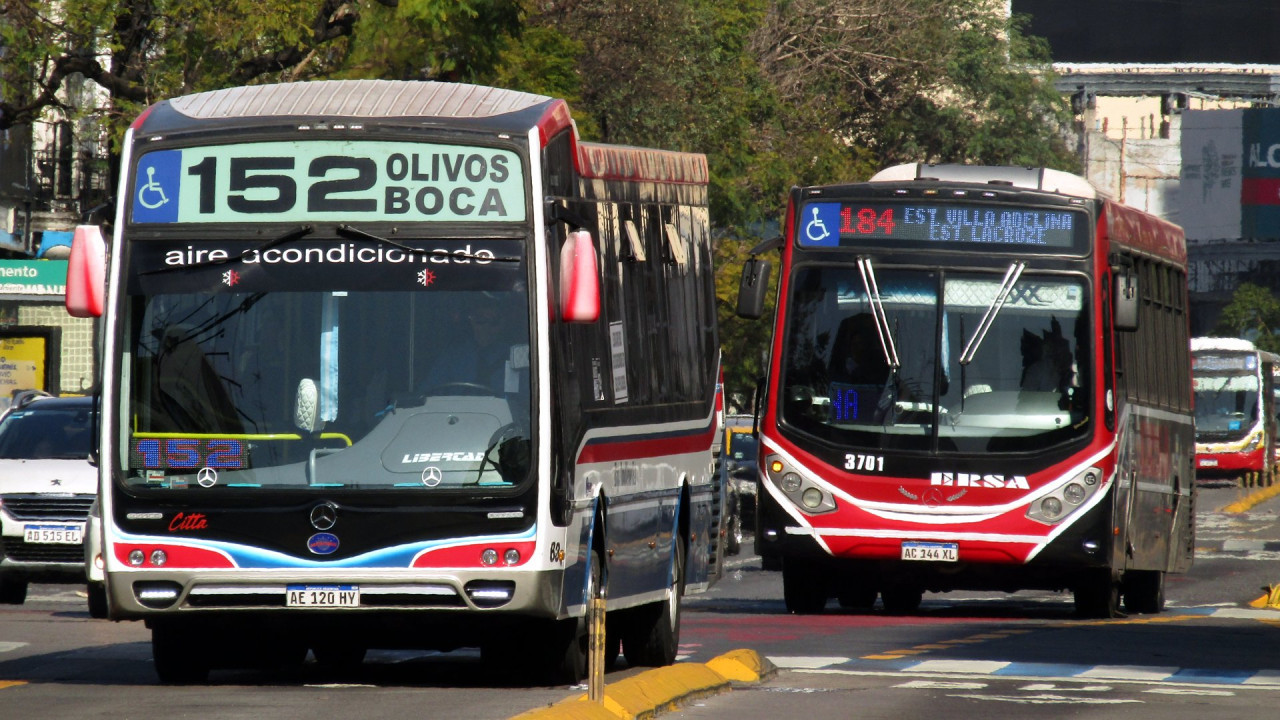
{"x":157,"y":187}
{"x":816,"y":230}
{"x":151,"y":195}
{"x":821,"y":224}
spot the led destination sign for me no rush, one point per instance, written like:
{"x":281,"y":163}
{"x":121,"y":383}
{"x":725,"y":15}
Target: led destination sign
{"x":318,"y":180}
{"x":834,"y":224}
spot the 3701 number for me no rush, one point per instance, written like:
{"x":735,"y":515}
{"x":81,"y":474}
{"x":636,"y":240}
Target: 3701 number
{"x":866,"y":463}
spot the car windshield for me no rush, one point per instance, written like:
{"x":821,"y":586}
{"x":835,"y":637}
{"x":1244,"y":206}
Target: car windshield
{"x":35,"y":433}
{"x":961,"y":361}
{"x":377,"y":371}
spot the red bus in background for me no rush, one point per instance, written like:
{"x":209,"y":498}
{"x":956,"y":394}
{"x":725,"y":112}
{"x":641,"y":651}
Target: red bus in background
{"x":979,"y":379}
{"x":1235,"y":407}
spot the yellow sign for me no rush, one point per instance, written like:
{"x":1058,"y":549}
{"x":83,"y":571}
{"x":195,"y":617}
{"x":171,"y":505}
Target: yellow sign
{"x":22,"y":364}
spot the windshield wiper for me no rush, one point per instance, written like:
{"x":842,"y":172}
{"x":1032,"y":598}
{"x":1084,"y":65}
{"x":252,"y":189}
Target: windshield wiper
{"x":355,"y":232}
{"x":877,"y":312}
{"x":980,"y":333}
{"x":287,"y":236}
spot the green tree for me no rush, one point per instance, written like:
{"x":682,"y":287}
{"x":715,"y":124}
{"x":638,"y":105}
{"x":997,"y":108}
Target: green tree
{"x":141,"y":51}
{"x":1253,"y":314}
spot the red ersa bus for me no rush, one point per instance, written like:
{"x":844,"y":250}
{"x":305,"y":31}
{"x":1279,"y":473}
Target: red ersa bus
{"x":979,"y":380}
{"x":1235,"y":407}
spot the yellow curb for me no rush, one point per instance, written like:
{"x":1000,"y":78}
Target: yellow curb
{"x":1244,"y":504}
{"x":653,"y":691}
{"x":743,"y":666}
{"x":11,"y":683}
{"x":1270,"y":600}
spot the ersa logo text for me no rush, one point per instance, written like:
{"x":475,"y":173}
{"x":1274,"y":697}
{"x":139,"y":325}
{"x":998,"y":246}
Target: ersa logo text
{"x":410,"y":458}
{"x":977,"y":480}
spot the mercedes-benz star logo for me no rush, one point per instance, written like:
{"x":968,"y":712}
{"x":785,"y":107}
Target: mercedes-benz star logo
{"x":324,"y":516}
{"x":431,"y":476}
{"x":207,"y":477}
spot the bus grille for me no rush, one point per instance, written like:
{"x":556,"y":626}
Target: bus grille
{"x":15,"y":549}
{"x":70,"y":508}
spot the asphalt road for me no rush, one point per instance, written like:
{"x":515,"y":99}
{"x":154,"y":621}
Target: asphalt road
{"x":962,"y":654}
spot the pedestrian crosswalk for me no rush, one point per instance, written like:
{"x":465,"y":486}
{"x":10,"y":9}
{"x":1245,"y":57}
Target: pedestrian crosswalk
{"x":1031,"y":671}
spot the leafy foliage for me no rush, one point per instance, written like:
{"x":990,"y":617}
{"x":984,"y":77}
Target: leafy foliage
{"x":1254,"y":314}
{"x":776,"y":93}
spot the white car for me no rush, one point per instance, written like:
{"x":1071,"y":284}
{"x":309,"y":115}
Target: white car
{"x":46,"y":487}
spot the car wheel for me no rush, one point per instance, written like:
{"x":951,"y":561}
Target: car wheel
{"x":12,"y":592}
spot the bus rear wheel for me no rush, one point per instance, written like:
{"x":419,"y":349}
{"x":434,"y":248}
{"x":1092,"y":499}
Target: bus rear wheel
{"x":1144,"y":591}
{"x":651,"y":637}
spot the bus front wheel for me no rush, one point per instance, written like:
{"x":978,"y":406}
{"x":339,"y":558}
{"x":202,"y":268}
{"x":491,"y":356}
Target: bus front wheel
{"x":1097,"y":595}
{"x":803,"y":588}
{"x":176,"y":663}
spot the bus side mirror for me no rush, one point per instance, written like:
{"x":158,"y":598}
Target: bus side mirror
{"x":753,"y":288}
{"x":86,"y":272}
{"x":579,"y":279}
{"x":1125,"y":301}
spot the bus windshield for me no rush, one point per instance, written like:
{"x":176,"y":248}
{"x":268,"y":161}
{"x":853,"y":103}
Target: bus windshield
{"x":1226,"y":405}
{"x":328,"y":363}
{"x":1024,"y":386}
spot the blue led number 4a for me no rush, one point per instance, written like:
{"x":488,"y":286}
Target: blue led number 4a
{"x":157,"y":187}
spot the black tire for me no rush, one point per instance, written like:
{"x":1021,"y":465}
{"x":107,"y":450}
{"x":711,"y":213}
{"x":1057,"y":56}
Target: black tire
{"x":733,"y":545}
{"x":1097,"y":595}
{"x":97,"y":593}
{"x":901,"y":600}
{"x":804,"y":588}
{"x":570,"y":641}
{"x":12,"y":592}
{"x":176,"y":663}
{"x":1144,"y":591}
{"x":651,"y":637}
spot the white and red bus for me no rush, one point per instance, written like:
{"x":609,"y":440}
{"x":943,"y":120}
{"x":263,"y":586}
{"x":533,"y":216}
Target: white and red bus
{"x":979,"y":379}
{"x":400,"y":364}
{"x":1235,"y":407}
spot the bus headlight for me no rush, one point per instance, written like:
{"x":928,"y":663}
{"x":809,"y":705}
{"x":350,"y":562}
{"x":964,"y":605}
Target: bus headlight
{"x":1054,"y":507}
{"x":1074,"y":493}
{"x":808,"y":495}
{"x":1255,"y":440}
{"x":812,"y":498}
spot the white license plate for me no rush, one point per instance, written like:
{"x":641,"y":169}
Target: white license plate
{"x":323,"y":596}
{"x":1209,"y":462}
{"x":54,"y":534}
{"x":937,"y":552}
